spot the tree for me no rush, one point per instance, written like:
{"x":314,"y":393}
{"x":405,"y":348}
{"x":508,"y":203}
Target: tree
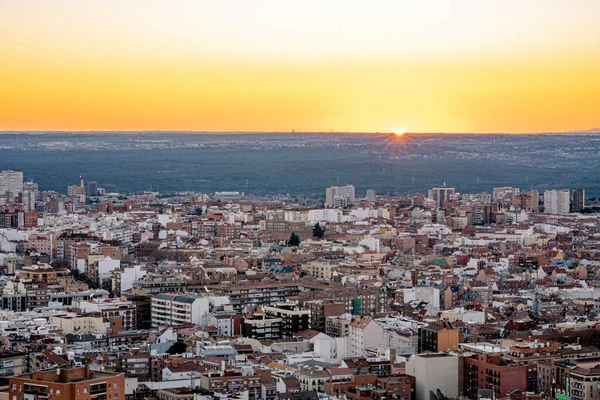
{"x":198,"y":211}
{"x":318,"y":231}
{"x":177,"y":348}
{"x":294,"y":240}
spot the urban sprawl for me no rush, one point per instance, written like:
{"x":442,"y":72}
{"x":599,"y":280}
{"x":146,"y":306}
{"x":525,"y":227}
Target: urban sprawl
{"x":191,"y":296}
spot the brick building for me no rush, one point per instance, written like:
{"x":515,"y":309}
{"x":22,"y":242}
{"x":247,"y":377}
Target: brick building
{"x":68,"y":384}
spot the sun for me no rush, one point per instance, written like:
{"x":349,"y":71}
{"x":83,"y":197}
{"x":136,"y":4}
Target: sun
{"x":399,"y":132}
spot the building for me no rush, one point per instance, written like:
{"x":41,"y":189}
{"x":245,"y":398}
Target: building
{"x":371,"y":195}
{"x":339,"y":196}
{"x":578,"y":200}
{"x":557,"y":201}
{"x":29,"y":195}
{"x":68,"y":384}
{"x":229,"y":381}
{"x":505,"y":195}
{"x":12,"y":363}
{"x":11,"y":185}
{"x":485,"y":367}
{"x":433,"y":372}
{"x":365,"y":333}
{"x":77,"y":191}
{"x":92,"y":188}
{"x":321,"y":310}
{"x":441,"y":195}
{"x":293,"y":318}
{"x":338,"y":326}
{"x":79,"y":324}
{"x":177,"y":308}
{"x":143,"y":309}
{"x":258,"y":326}
{"x":575,"y":379}
{"x":438,"y":338}
{"x":120,"y":313}
{"x":257,"y":294}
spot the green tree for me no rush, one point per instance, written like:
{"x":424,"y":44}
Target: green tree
{"x":198,"y":211}
{"x":294,"y":240}
{"x":177,"y":348}
{"x":318,"y":231}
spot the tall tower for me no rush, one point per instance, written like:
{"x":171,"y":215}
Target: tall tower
{"x":82,"y":190}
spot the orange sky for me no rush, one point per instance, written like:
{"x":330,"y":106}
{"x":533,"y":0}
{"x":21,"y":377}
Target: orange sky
{"x":313,"y":66}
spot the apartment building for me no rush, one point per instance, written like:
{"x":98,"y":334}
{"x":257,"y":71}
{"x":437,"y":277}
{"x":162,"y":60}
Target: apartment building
{"x":120,"y":313}
{"x":179,"y":308}
{"x":293,"y":318}
{"x":68,"y":384}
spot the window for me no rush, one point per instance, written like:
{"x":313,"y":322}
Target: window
{"x":84,"y":390}
{"x":57,"y":392}
{"x":115,"y":385}
{"x":115,"y":396}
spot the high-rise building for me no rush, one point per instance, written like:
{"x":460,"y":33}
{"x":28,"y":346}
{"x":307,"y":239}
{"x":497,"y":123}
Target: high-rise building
{"x":441,"y":194}
{"x":336,"y":196}
{"x":578,"y":200}
{"x":370,"y":195}
{"x":11,"y":185}
{"x":557,"y":201}
{"x":92,"y":188}
{"x":29,"y":195}
{"x":535,"y":200}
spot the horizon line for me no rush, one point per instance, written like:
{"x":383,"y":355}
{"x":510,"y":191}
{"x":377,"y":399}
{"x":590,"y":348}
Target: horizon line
{"x":146,"y":131}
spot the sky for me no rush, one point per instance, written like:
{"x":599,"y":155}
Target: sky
{"x":514,"y":66}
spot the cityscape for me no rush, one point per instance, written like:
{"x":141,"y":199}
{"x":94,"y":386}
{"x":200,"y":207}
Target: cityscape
{"x":299,"y":200}
{"x":192,"y":295}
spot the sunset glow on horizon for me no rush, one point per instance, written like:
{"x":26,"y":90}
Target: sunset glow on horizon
{"x":464,"y":66}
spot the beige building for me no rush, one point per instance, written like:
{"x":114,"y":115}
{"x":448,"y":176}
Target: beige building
{"x":80,"y":324}
{"x":320,"y":270}
{"x":12,"y":363}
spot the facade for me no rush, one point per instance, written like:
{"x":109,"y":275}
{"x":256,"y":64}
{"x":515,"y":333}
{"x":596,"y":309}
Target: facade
{"x":436,"y":338}
{"x":120,"y":313}
{"x":12,"y":363}
{"x":174,"y":308}
{"x":434,"y":372}
{"x":68,"y":384}
{"x":487,"y":368}
{"x":293,"y":318}
{"x":557,"y":201}
{"x":11,"y":185}
{"x":259,"y":327}
{"x":336,"y":196}
{"x":365,"y":333}
{"x":81,"y":324}
{"x":338,"y":326}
